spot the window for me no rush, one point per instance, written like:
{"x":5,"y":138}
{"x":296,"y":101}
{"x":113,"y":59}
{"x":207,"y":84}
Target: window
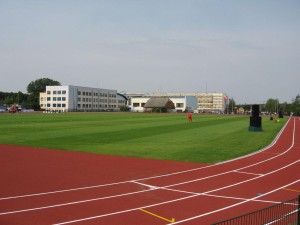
{"x":48,"y":99}
{"x":54,"y":92}
{"x":64,"y":98}
{"x":48,"y":92}
{"x":59,"y":92}
{"x":63,"y":105}
{"x":54,"y":98}
{"x":143,"y":104}
{"x":136,"y":104}
{"x":79,"y":99}
{"x":179,"y":105}
{"x":79,"y":92}
{"x":64,"y":92}
{"x":48,"y":105}
{"x":58,"y":105}
{"x":78,"y":105}
{"x":54,"y":105}
{"x":58,"y":98}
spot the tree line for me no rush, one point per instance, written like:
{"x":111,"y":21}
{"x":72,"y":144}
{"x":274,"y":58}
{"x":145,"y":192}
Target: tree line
{"x":271,"y":106}
{"x":29,"y":100}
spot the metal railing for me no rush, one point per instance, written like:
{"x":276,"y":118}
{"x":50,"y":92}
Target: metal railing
{"x":285,"y":213}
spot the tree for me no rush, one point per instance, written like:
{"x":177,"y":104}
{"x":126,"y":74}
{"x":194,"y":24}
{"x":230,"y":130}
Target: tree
{"x":8,"y":100}
{"x":272,"y":105}
{"x":35,"y":87}
{"x":296,"y":106}
{"x":231,"y":105}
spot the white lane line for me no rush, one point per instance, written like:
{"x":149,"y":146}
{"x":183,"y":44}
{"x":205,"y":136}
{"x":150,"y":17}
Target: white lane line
{"x":255,"y":174}
{"x":103,"y":185}
{"x":73,"y":203}
{"x":66,"y":190}
{"x":125,"y":211}
{"x":231,"y":206}
{"x":218,"y":196}
{"x":192,"y":196}
{"x":171,"y":201}
{"x":151,"y":187}
{"x":244,"y":199}
{"x":159,"y":176}
{"x":131,"y":193}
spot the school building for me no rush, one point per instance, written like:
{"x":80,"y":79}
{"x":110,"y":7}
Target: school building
{"x":205,"y":102}
{"x":181,"y":103}
{"x":80,"y":99}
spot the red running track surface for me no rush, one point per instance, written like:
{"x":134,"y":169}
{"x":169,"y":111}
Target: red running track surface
{"x":40,"y":186}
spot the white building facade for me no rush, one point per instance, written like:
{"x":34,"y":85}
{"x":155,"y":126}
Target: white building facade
{"x":181,"y":103}
{"x":206,"y":102}
{"x":80,"y":99}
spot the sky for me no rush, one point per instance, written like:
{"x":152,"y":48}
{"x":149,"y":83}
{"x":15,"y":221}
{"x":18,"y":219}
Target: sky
{"x":249,"y":50}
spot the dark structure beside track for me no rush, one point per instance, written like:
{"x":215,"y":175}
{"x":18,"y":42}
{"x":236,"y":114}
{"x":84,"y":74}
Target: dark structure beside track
{"x":255,"y":119}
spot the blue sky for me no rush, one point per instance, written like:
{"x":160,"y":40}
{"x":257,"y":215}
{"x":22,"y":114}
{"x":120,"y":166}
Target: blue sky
{"x":249,"y":50}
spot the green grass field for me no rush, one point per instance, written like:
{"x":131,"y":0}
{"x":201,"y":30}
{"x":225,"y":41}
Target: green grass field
{"x":210,"y":138}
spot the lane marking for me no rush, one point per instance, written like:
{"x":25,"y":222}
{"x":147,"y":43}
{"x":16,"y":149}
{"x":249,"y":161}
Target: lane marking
{"x":151,"y":187}
{"x":255,"y":174}
{"x":287,"y":189}
{"x":73,"y":203}
{"x":125,"y":211}
{"x":271,"y":153}
{"x":167,"y":202}
{"x":105,"y":185}
{"x":188,"y":197}
{"x":231,"y":206}
{"x":160,"y":217}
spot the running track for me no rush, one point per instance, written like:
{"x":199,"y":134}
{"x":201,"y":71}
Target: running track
{"x":40,"y":186}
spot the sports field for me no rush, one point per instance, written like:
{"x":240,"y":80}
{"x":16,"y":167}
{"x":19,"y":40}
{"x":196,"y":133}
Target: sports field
{"x":209,"y":138}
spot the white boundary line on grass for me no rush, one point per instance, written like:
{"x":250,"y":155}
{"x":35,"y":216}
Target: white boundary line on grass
{"x":159,"y":176}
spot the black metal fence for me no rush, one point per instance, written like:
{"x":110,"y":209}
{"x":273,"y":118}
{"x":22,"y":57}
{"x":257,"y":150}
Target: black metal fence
{"x":285,"y":213}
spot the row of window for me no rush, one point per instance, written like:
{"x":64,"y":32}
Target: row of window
{"x":48,"y":105}
{"x":54,"y":105}
{"x":89,"y":106}
{"x":137,"y":104}
{"x":86,"y":93}
{"x":56,"y":99}
{"x":96,"y":100}
{"x":57,"y":92}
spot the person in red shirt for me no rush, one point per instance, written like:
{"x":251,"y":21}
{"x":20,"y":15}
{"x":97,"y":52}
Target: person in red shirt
{"x":190,"y":119}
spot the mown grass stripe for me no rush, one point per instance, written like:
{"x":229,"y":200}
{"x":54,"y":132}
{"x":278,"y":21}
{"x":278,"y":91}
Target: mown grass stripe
{"x":210,"y":138}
